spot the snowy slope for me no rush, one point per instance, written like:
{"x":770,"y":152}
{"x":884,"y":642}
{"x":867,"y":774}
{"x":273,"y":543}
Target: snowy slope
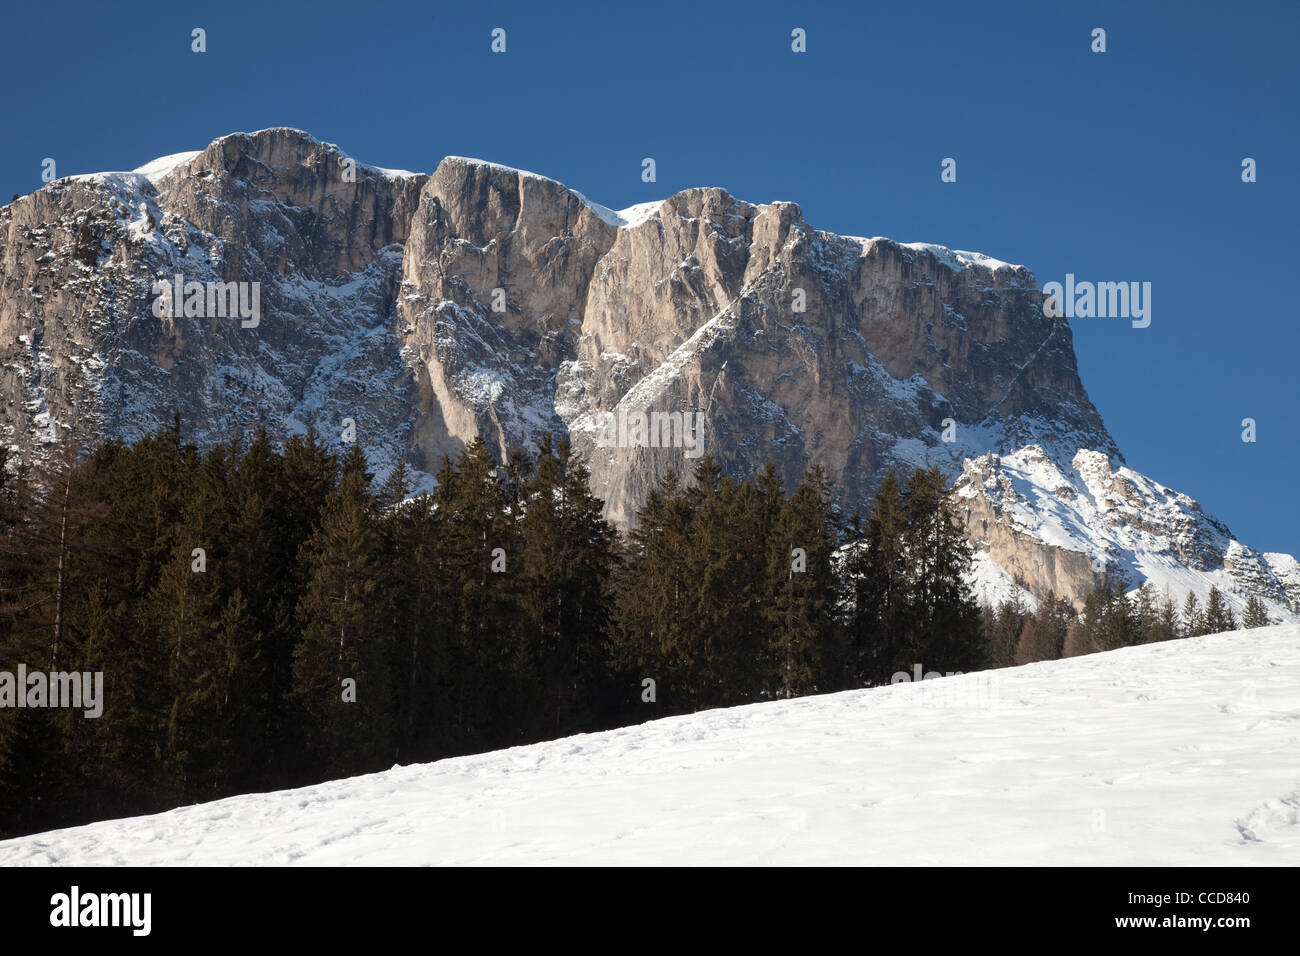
{"x":1180,"y":753}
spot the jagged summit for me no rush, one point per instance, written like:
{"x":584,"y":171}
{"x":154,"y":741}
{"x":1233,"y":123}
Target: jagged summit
{"x":630,"y":217}
{"x":278,"y":145}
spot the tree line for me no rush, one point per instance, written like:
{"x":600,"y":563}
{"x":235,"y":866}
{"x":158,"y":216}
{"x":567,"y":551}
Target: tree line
{"x":1112,"y":617}
{"x":270,"y":617}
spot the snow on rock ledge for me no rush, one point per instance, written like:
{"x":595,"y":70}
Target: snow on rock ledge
{"x":1059,"y":530}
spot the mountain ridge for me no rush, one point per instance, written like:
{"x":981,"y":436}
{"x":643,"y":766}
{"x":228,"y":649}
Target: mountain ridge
{"x":484,"y":300}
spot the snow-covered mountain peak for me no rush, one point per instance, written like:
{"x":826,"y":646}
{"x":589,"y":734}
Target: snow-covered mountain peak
{"x":1060,"y":530}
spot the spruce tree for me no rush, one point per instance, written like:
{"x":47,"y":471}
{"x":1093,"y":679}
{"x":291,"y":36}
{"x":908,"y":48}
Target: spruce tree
{"x":803,"y":587}
{"x":653,"y":631}
{"x":1256,"y":614}
{"x":1146,"y":614}
{"x":705,"y":652}
{"x":565,"y":567}
{"x":943,"y":617}
{"x":1193,"y":619}
{"x":877,"y":569}
{"x":1045,"y":631}
{"x":1218,"y":615}
{"x":1007,"y":626}
{"x":1168,"y":627}
{"x":421,"y":619}
{"x":341,"y":679}
{"x":488,"y":667}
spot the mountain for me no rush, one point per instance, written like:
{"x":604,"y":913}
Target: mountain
{"x":81,"y":351}
{"x":377,"y":305}
{"x":1162,"y":754}
{"x":417,"y":311}
{"x":1057,"y":530}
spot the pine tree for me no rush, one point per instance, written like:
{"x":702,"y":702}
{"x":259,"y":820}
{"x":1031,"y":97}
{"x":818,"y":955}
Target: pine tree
{"x":1045,"y":631}
{"x":1218,"y":615}
{"x":337,"y":643}
{"x":566,"y":563}
{"x":1256,"y":614}
{"x":877,"y":570}
{"x":1193,"y":619}
{"x":802,"y":585}
{"x":943,"y":617}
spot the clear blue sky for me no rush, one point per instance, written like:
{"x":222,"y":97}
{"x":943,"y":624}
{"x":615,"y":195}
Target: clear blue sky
{"x":1117,"y":166}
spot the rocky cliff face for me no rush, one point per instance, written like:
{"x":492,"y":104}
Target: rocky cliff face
{"x":1056,"y":530}
{"x":788,"y":344}
{"x":483,"y":300}
{"x":486,"y":300}
{"x":83,"y":354}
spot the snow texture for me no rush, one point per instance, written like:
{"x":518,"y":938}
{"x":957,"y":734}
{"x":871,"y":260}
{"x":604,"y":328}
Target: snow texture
{"x":1181,"y":753}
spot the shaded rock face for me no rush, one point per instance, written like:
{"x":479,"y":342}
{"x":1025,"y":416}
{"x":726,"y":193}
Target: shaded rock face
{"x":82,"y":352}
{"x":487,"y":301}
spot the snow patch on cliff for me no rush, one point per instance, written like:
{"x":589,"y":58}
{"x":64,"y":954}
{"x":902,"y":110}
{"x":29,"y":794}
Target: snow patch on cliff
{"x":163,"y":166}
{"x":1126,"y":523}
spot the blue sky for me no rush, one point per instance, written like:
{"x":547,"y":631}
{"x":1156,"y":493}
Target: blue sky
{"x":1117,"y":166}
